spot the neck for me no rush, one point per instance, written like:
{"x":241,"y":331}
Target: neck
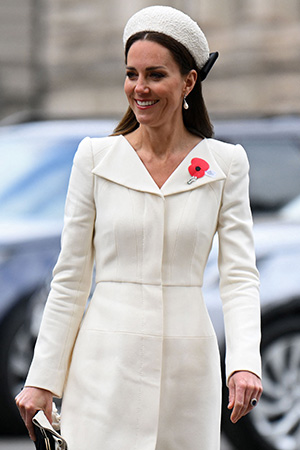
{"x":161,"y":141}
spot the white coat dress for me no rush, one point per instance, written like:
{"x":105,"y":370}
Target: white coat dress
{"x":141,"y":371}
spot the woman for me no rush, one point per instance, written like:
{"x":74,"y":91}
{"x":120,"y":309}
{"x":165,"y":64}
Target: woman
{"x":141,"y":370}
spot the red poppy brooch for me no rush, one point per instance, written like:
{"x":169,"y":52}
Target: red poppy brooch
{"x":198,"y":168}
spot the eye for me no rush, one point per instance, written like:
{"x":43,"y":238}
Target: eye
{"x":131,"y":75}
{"x":157,"y":75}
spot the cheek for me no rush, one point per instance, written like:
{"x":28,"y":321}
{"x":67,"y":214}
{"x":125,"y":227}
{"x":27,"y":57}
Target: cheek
{"x":176,"y":92}
{"x":127,"y":87}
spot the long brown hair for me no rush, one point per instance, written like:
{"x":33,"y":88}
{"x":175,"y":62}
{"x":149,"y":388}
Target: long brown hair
{"x":196,"y":118}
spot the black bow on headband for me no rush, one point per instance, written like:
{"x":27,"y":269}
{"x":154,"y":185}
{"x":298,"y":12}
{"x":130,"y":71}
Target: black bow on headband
{"x":208,"y":65}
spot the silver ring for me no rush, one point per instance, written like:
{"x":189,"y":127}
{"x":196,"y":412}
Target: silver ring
{"x":253,"y":402}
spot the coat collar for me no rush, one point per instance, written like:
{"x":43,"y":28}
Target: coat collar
{"x":122,"y":165}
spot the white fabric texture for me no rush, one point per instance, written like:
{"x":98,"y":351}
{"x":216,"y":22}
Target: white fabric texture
{"x":173,"y":23}
{"x":142,"y":369}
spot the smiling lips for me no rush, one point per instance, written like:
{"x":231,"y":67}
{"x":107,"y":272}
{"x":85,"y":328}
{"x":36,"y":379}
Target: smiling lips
{"x":144,"y":103}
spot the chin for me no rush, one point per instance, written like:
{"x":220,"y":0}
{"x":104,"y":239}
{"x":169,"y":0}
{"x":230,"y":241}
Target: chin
{"x":142,"y":120}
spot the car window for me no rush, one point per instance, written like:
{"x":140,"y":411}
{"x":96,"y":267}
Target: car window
{"x":34,"y":177}
{"x":274,"y":169}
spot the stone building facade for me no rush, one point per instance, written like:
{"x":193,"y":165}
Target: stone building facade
{"x":64,"y":58}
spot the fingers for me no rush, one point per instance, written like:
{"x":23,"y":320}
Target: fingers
{"x":29,"y":401}
{"x":27,"y":411}
{"x":243,"y":387}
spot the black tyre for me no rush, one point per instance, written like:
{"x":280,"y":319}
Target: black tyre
{"x":275,"y":423}
{"x":16,"y":351}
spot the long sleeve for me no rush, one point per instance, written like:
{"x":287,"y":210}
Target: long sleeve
{"x":71,"y":282}
{"x":239,"y":279}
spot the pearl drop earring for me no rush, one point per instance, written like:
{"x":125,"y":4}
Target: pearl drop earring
{"x":185,"y":103}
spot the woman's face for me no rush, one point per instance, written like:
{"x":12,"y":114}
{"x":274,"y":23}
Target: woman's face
{"x":154,"y":85}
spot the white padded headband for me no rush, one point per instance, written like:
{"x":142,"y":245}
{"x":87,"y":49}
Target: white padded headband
{"x":173,"y":23}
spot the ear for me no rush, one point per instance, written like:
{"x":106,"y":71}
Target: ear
{"x":190,"y":81}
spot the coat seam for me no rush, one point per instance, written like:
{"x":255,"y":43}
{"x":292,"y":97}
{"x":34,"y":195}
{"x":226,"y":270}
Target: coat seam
{"x":151,"y":284}
{"x":143,"y":335}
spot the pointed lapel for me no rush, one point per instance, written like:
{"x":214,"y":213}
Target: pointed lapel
{"x":178,"y":181}
{"x":122,"y":165}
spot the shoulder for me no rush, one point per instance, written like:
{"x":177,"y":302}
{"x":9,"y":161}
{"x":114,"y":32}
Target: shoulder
{"x":229,"y":156}
{"x":91,"y":150}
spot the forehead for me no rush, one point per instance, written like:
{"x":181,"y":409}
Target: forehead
{"x":149,"y":53}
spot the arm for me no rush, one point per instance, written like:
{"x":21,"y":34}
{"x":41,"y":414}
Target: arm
{"x":239,"y":287}
{"x":71,"y":282}
{"x":70,"y":289}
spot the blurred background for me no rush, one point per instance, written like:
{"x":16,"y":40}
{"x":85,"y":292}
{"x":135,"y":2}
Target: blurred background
{"x":65,"y":57}
{"x":61,"y":78}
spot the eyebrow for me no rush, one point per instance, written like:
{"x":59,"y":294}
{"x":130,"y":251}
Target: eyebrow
{"x":147,"y":68}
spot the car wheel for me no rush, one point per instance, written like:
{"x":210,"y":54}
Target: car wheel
{"x":275,"y":423}
{"x":17,"y":343}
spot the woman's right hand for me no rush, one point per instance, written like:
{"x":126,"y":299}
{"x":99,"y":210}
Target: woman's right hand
{"x":29,"y":401}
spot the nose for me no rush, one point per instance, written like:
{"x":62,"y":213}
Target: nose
{"x":141,"y":86}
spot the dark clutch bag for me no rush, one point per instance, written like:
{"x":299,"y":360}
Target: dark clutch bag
{"x":46,"y":437}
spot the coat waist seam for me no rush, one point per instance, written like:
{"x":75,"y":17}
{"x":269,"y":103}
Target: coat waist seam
{"x":160,"y":336}
{"x":142,"y":283}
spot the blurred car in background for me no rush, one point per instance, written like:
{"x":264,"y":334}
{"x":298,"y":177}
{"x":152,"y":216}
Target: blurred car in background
{"x":36,"y":161}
